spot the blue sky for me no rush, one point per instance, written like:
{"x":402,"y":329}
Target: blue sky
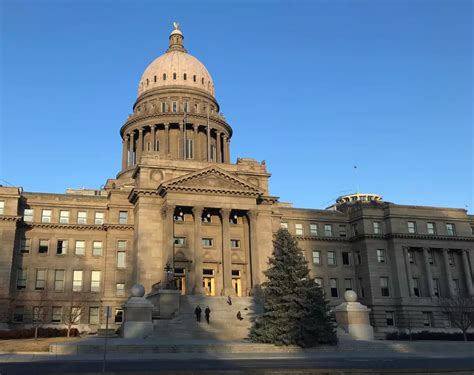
{"x":311,"y":87}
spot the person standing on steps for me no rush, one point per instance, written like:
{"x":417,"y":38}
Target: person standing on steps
{"x":197,"y":311}
{"x":207,"y":313}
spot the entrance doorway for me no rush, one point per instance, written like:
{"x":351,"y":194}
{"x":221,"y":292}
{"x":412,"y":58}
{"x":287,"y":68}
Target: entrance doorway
{"x":237,"y":283}
{"x":208,"y":282}
{"x":180,"y":279}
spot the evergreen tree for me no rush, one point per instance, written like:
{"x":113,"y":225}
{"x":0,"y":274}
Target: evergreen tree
{"x":295,"y":312}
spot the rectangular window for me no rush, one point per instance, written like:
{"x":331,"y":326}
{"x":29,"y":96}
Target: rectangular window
{"x":38,"y":314}
{"x":43,"y":246}
{"x":436,"y":288}
{"x":411,"y":226}
{"x":58,"y":280}
{"x":416,"y":287}
{"x":431,"y":228}
{"x":189,"y":149}
{"x":456,"y":287}
{"x":21,"y":278}
{"x":123,"y":217}
{"x":95,"y":281}
{"x":331,"y":258}
{"x":381,"y":256}
{"x":2,"y":207}
{"x":384,"y":287}
{"x":175,"y":107}
{"x":93,"y":315}
{"x":355,"y":229}
{"x":76,"y":313}
{"x":185,"y":104}
{"x":360,"y":287}
{"x":358,"y":257}
{"x":377,"y":227}
{"x":411,"y":256}
{"x":213,"y":153}
{"x":450,"y":229}
{"x":63,"y":217}
{"x":97,"y":248}
{"x":317,"y":257}
{"x":334,"y":289}
{"x":118,"y":315}
{"x":342,"y":231}
{"x":77,"y":281}
{"x":25,"y":245}
{"x":451,"y":258}
{"x":431,"y":257}
{"x":235,"y":244}
{"x":99,"y":218}
{"x":207,"y":242}
{"x":348,"y":284}
{"x":56,"y":314}
{"x":163,"y":107}
{"x":40,"y":283}
{"x":427,"y":319}
{"x":82,"y":217}
{"x":390,"y":318}
{"x":284,"y":225}
{"x":61,"y":249}
{"x":299,"y":229}
{"x":313,"y":229}
{"x":328,"y":230}
{"x":18,"y":314}
{"x":121,"y":257}
{"x":319,"y":281}
{"x":80,"y":247}
{"x":233,"y":220}
{"x":180,"y":241}
{"x":120,"y":289}
{"x":46,"y":216}
{"x":346,"y":258}
{"x":28,"y":215}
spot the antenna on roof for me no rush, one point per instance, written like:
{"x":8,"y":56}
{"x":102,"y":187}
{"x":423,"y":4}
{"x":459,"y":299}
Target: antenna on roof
{"x":355,"y":179}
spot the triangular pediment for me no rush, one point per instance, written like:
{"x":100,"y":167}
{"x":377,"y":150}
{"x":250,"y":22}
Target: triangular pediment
{"x":211,"y":180}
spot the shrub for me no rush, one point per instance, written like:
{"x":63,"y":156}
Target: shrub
{"x":26,"y":333}
{"x":427,"y":335}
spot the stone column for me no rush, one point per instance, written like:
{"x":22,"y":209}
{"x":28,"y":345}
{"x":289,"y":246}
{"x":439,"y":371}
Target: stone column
{"x":197,"y":146}
{"x":208,"y":133}
{"x":153,"y":132}
{"x":219,"y":148}
{"x":139,"y":145}
{"x":428,"y":272}
{"x":124,"y":151}
{"x":167,"y":139}
{"x":227,"y":289}
{"x":254,"y":269}
{"x":131,"y":144}
{"x":449,"y":277}
{"x":183,"y":129}
{"x":197,"y":265}
{"x":168,"y":240}
{"x":467,"y":272}
{"x":408,"y":271}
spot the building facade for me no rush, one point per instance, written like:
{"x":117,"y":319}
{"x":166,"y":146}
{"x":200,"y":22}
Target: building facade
{"x":180,"y":209}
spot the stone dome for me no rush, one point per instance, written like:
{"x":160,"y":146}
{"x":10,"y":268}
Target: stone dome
{"x":176,"y":68}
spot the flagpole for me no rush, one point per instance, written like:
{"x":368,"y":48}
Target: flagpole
{"x":208,"y":138}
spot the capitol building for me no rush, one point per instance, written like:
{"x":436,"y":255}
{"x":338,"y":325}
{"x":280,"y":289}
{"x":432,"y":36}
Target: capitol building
{"x":180,"y":209}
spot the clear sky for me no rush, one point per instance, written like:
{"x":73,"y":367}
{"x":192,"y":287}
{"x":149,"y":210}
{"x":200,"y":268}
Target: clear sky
{"x":311,"y":87}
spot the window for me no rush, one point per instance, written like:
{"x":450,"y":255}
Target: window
{"x":411,"y":226}
{"x":180,"y":241}
{"x":436,"y":288}
{"x":163,"y":104}
{"x":56,"y":314}
{"x":348,"y":284}
{"x":95,"y":281}
{"x":360,"y":287}
{"x":317,"y":257}
{"x":355,"y":230}
{"x":451,"y":258}
{"x":2,"y":207}
{"x":157,"y":145}
{"x":194,"y":78}
{"x":342,"y":231}
{"x":179,"y":216}
{"x":97,"y":248}
{"x":384,"y":287}
{"x":93,"y":315}
{"x":61,"y":249}
{"x":235,"y":273}
{"x":21,"y":278}
{"x":80,"y":247}
{"x":46,"y":216}
{"x":76,"y":313}
{"x":63,"y":217}
{"x":207,"y":242}
{"x":40,"y":283}
{"x":164,"y":76}
{"x":43,"y":246}
{"x":185,"y":104}
{"x":18,"y":314}
{"x":118,"y":315}
{"x":189,"y":149}
{"x":28,"y":215}
{"x":331,"y":258}
{"x":358,"y":257}
{"x":120,"y":289}
{"x":185,"y":76}
{"x":450,"y":229}
{"x":427,"y":319}
{"x":25,"y":245}
{"x":313,"y":229}
{"x":377,"y":227}
{"x":58,"y":280}
{"x":82,"y":217}
{"x":431,"y":228}
{"x":431,"y":257}
{"x":319,"y":281}
{"x":346,"y":258}
{"x":235,"y":244}
{"x":208,"y":272}
{"x":233,"y":220}
{"x":284,"y":225}
{"x":207,"y":217}
{"x":334,"y":289}
{"x":213,"y":153}
{"x":38,"y":314}
{"x":416,"y":287}
{"x":175,"y":107}
{"x":99,"y":218}
{"x":328,"y":230}
{"x":174,"y":75}
{"x":77,"y":281}
{"x":299,"y":229}
{"x":121,"y":248}
{"x":411,"y":256}
{"x":381,"y":256}
{"x":456,"y":287}
{"x":390,"y":318}
{"x":123,"y":217}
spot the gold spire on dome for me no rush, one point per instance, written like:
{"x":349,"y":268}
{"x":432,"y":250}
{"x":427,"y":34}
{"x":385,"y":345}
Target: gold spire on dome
{"x":176,"y":39}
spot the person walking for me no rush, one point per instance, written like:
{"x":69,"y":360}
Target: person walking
{"x":197,"y":311}
{"x":207,"y":313}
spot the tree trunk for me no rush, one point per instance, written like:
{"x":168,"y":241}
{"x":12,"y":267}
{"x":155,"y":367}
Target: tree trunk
{"x":36,"y":333}
{"x":464,"y":333}
{"x":68,"y":331}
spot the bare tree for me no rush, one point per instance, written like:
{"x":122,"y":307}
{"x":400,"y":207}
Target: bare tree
{"x":72,"y":315}
{"x":460,"y":312}
{"x":40,"y":312}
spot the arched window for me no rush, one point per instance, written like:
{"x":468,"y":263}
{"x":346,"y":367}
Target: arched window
{"x":155,"y":78}
{"x":185,"y":76}
{"x":174,"y":75}
{"x":202,"y":80}
{"x":194,"y":78}
{"x":164,"y":76}
{"x":147,"y":81}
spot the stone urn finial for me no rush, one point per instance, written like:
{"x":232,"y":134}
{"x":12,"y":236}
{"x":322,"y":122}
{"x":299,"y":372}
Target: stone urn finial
{"x":137,"y":290}
{"x":350,"y":296}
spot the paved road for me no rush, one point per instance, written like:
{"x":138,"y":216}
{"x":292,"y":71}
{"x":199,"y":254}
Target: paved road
{"x":240,"y":366}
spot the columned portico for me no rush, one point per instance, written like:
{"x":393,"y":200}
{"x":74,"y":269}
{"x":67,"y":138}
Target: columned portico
{"x":197,"y":266}
{"x":429,"y":275}
{"x":408,"y":270}
{"x":467,"y":272}
{"x":449,"y":277}
{"x":226,"y":255}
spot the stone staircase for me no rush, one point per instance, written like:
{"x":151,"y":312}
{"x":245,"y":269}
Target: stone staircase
{"x":224,"y":324}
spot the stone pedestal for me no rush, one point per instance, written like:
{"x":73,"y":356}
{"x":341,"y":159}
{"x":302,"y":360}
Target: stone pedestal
{"x":137,"y":315}
{"x":353,"y":318}
{"x":168,"y":302}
